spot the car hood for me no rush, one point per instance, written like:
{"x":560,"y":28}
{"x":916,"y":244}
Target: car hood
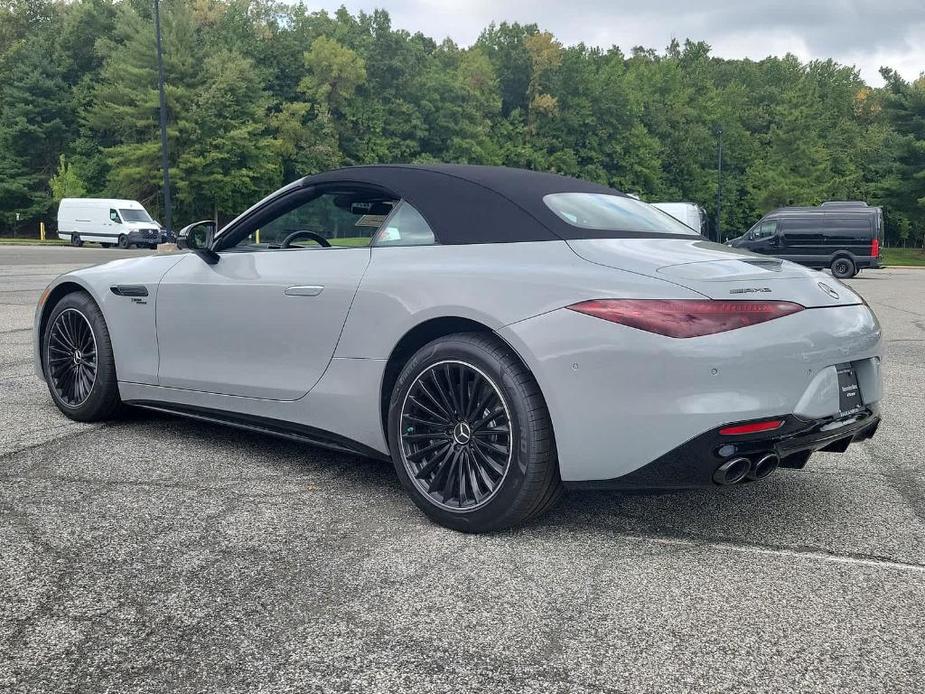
{"x":717,"y":271}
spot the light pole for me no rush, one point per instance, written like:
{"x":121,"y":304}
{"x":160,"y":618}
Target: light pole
{"x":165,"y":162}
{"x":719,"y":188}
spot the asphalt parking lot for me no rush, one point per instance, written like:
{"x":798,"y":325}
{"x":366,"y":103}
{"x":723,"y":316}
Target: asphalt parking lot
{"x":158,"y":554}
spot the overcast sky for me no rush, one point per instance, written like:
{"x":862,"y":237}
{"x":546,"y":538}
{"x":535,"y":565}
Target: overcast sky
{"x":863,"y":33}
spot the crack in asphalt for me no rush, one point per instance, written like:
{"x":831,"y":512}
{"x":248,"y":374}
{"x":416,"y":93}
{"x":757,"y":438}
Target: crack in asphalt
{"x":902,"y":310}
{"x":665,"y":536}
{"x":815,"y":553}
{"x":92,"y":428}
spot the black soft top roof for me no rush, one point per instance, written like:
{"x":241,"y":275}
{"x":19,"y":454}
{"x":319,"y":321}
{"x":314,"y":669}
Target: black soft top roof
{"x":480,"y":204}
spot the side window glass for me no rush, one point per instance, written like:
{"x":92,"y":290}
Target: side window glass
{"x":114,"y":216}
{"x":343,"y":218}
{"x":405,"y":228}
{"x":768,"y":229}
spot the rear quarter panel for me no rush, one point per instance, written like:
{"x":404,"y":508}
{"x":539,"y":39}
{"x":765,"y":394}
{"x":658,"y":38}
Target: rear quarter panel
{"x":493,"y":284}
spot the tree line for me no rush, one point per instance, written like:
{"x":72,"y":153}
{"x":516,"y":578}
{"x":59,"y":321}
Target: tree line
{"x":260,"y":93}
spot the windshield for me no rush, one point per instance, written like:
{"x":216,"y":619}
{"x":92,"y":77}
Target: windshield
{"x":135,"y":216}
{"x":613,"y":213}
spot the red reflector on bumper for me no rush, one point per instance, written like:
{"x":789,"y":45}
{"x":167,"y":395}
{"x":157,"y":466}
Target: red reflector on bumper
{"x":752,"y":428}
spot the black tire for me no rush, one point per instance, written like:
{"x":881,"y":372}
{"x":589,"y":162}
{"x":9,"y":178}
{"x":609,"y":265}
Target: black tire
{"x":76,"y":323}
{"x":76,"y":240}
{"x":843,"y":268}
{"x":123,"y":241}
{"x":519,"y":432}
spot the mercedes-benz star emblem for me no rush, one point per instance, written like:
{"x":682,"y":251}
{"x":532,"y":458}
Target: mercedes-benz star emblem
{"x":462,"y":433}
{"x":828,"y":290}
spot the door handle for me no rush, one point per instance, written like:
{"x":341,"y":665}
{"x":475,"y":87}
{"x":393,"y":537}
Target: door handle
{"x":303,"y":290}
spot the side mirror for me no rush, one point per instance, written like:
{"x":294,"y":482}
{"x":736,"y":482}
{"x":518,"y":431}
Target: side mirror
{"x":198,"y":237}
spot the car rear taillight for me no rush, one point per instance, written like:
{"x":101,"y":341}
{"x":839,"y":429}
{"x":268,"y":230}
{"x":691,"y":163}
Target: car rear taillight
{"x":875,"y":247}
{"x":686,"y":317}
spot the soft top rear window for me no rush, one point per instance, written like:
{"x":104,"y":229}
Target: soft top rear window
{"x":613,"y":213}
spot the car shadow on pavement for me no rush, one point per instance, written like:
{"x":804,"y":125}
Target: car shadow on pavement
{"x":788,"y":507}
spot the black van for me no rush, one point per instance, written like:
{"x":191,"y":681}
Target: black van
{"x":842,"y":235}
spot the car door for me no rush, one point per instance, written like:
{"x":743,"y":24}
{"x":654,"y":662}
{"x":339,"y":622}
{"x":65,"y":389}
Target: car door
{"x":803,"y":240}
{"x":264,"y":320}
{"x":763,"y":237}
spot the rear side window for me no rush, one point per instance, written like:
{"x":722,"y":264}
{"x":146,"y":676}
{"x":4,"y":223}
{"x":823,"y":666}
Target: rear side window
{"x":850,"y":225}
{"x":804,"y":225}
{"x":613,"y":213}
{"x":405,"y":228}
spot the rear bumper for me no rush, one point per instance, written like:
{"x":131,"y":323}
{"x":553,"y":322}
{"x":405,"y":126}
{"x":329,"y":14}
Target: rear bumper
{"x":869,"y":263}
{"x":693,"y":464}
{"x":621,"y":398}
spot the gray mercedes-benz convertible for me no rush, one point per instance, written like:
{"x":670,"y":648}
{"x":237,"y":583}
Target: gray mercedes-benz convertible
{"x":498,"y":334}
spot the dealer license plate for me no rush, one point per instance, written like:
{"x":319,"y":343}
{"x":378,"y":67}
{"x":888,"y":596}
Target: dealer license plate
{"x":849,"y":393}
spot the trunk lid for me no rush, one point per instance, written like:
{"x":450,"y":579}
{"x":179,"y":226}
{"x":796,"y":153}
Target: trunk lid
{"x":717,"y":271}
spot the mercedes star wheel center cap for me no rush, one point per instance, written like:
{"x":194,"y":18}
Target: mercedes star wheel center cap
{"x":462,"y":433}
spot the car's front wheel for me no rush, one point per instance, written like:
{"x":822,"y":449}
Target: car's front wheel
{"x":79,"y":365}
{"x":123,"y":241}
{"x":470,"y":435}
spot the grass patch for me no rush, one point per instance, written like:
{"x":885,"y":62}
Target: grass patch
{"x":904,"y":256}
{"x":10,"y":241}
{"x":351,"y":241}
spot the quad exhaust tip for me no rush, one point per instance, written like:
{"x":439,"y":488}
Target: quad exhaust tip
{"x":732,"y":471}
{"x":764,"y":466}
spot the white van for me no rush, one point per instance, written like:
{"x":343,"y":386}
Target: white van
{"x":123,"y":223}
{"x":687,"y":213}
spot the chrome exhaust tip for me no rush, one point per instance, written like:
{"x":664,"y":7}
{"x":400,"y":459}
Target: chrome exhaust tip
{"x":732,"y":471}
{"x":764,"y":466}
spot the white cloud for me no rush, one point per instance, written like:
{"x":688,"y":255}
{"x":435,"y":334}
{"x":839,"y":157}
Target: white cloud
{"x":864,"y":33}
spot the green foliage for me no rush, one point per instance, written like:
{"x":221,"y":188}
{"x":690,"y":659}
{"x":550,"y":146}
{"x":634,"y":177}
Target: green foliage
{"x":66,"y":183}
{"x":261,"y":92}
{"x":904,"y":190}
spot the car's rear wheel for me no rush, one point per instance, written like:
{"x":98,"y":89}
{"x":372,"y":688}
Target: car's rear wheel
{"x":78,"y":359}
{"x":76,"y":240}
{"x":843,"y":268}
{"x":470,"y":435}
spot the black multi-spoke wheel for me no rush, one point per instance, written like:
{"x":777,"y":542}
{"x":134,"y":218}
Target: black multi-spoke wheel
{"x":470,"y":435}
{"x":843,"y":268}
{"x":77,"y":356}
{"x":456,"y":435}
{"x":72,"y":357}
